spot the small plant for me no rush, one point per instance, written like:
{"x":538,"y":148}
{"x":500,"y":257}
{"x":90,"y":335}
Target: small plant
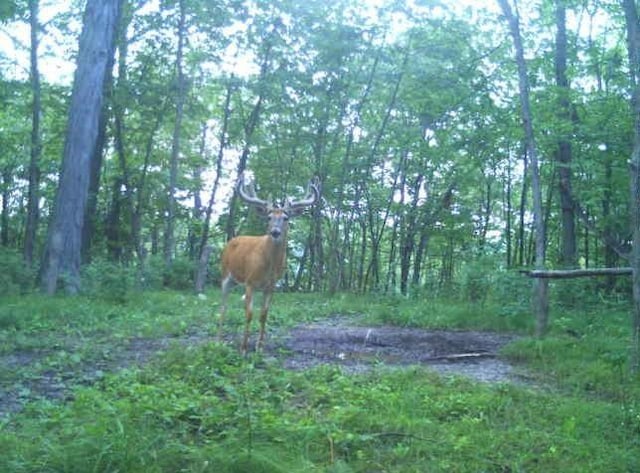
{"x":179,"y":275}
{"x":107,"y":280}
{"x":15,"y":277}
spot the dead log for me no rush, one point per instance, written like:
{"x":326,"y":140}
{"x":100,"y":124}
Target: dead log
{"x":576,"y":273}
{"x":461,"y":356}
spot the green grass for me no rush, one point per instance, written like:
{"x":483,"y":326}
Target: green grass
{"x":204,"y":408}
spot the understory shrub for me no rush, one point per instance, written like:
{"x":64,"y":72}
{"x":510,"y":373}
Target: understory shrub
{"x":179,"y":275}
{"x":108,"y":280}
{"x":15,"y":277}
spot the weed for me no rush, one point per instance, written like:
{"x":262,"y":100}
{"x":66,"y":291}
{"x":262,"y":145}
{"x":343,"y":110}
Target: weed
{"x":204,"y":408}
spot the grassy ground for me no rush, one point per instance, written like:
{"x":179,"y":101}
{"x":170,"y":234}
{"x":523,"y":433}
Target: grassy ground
{"x":200,"y":407}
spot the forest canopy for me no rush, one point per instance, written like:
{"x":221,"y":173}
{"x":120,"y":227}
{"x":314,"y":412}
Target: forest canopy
{"x":408,"y":113}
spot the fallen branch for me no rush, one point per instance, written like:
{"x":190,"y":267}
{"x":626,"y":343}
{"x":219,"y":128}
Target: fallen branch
{"x":461,"y":356}
{"x":576,"y":273}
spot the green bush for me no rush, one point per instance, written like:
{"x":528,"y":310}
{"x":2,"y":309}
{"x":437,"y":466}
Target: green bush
{"x":15,"y":277}
{"x":152,"y":273}
{"x":478,"y":279}
{"x":179,"y":275}
{"x":155,"y":274}
{"x":108,"y":280}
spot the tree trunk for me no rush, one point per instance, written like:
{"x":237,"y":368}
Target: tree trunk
{"x":33,"y":199}
{"x":201,"y":273}
{"x":521,"y":236}
{"x":508,"y":216}
{"x":564,"y":155}
{"x":121,"y":248}
{"x":7,"y":179}
{"x":90,"y":215}
{"x":223,"y":139}
{"x":541,"y":300}
{"x":633,"y":45}
{"x":136,"y":216}
{"x":249,"y":128}
{"x":63,"y":254}
{"x":195,"y":228}
{"x":169,"y":236}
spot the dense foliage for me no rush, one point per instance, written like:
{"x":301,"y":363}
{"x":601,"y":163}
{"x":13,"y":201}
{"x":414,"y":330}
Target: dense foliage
{"x":410,"y":114}
{"x":407,"y":113}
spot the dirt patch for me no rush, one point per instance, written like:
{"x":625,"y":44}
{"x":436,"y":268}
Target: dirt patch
{"x":27,"y":376}
{"x":468,"y":353}
{"x":32,"y":375}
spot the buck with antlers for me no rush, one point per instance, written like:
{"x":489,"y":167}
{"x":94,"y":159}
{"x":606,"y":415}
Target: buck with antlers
{"x":258,"y":261}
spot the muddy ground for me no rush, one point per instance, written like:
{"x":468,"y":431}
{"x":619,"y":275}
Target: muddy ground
{"x":358,"y":348}
{"x":335,"y":341}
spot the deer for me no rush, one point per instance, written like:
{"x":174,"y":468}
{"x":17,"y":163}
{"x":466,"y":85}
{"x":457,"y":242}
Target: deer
{"x":258,"y":262}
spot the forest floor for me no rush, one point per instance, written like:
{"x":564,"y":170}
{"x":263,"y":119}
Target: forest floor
{"x":338,"y":340}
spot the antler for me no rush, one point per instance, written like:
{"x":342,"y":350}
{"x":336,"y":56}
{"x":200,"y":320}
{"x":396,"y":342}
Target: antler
{"x":247,"y":192}
{"x":313,"y":194}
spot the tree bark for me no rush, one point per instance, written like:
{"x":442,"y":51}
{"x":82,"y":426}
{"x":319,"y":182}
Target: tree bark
{"x":564,"y":153}
{"x":33,"y":199}
{"x":249,"y":128}
{"x":63,"y":253}
{"x":577,"y":273}
{"x":7,"y":179}
{"x":201,"y":273}
{"x":633,"y":45}
{"x":169,"y":237}
{"x":223,"y":140}
{"x":541,"y":299}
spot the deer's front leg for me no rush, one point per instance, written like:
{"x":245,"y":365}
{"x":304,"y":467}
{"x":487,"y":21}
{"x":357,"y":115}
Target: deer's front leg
{"x":248,"y":308}
{"x":266,"y":301}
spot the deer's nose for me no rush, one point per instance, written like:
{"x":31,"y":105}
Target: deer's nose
{"x":275,"y":233}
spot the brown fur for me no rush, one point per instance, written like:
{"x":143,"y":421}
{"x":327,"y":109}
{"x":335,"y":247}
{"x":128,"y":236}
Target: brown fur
{"x":259,"y":261}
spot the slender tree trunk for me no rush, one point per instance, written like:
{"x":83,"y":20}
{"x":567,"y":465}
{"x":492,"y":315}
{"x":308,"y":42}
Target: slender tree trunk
{"x":376,"y":234}
{"x":195,"y":229}
{"x":169,"y":237}
{"x":342,"y":255}
{"x":610,"y":255}
{"x":633,"y":45}
{"x":569,"y":256}
{"x":249,"y":128}
{"x":223,"y":140}
{"x":33,"y":199}
{"x":541,"y":300}
{"x":521,"y":237}
{"x":136,"y":216}
{"x":63,"y":254}
{"x":407,"y":245}
{"x":112,"y":230}
{"x":122,"y":200}
{"x":508,"y":217}
{"x":7,"y":179}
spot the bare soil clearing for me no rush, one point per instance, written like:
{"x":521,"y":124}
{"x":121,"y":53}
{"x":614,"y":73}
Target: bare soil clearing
{"x":357,"y":348}
{"x":336,"y":341}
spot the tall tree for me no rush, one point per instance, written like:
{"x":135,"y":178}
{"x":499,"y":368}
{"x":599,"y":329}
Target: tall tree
{"x":541,"y":300}
{"x":568,"y":251}
{"x":96,"y":46}
{"x":36,"y":139}
{"x":169,"y":240}
{"x":633,"y":45}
